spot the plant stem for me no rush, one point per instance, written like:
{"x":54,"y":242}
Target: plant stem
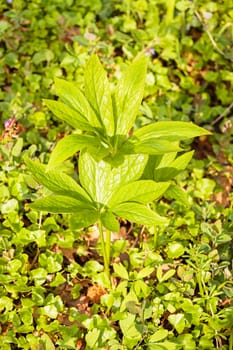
{"x":108,"y":245}
{"x":231,"y":342}
{"x":105,"y":247}
{"x":155,"y":237}
{"x":215,"y":45}
{"x":227,"y":110}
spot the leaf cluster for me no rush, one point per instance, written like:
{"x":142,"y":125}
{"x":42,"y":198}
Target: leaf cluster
{"x":112,"y":159}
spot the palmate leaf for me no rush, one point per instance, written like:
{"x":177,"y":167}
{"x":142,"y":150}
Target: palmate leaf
{"x":169,"y":130}
{"x":71,"y":144}
{"x":100,"y":179}
{"x":142,"y":191}
{"x":128,"y":95}
{"x":61,"y":204}
{"x":57,"y":182}
{"x":98,"y":93}
{"x":138,"y":213}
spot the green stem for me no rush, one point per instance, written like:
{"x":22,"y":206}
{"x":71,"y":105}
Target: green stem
{"x":108,"y":244}
{"x":199,"y":281}
{"x":155,"y":237}
{"x":231,"y":342}
{"x":105,"y":247}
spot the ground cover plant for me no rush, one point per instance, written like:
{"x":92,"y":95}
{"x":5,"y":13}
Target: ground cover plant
{"x":170,"y":284}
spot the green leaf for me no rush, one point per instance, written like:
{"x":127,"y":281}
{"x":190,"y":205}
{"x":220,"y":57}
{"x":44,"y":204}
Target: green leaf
{"x":60,"y":204}
{"x":186,"y":341}
{"x":169,"y":166}
{"x":182,"y":161}
{"x":177,"y":193}
{"x":138,"y":213}
{"x":10,"y":206}
{"x":120,"y":271}
{"x":128,"y":95}
{"x":92,"y":338}
{"x":166,"y":167}
{"x":110,"y":222}
{"x":69,"y":115}
{"x":69,"y":145}
{"x":164,"y":277}
{"x":70,"y":94}
{"x":142,"y":191}
{"x":130,"y":169}
{"x":165,"y":345}
{"x":39,"y":275}
{"x":146,"y":271}
{"x":160,"y":334}
{"x":47,"y":342}
{"x":26,"y":316}
{"x":100,"y":180}
{"x":173,"y":168}
{"x":131,"y":335}
{"x":155,"y":146}
{"x":165,"y":174}
{"x":165,"y":160}
{"x":6,"y":303}
{"x":170,"y":130}
{"x":56,"y":181}
{"x":17,"y":149}
{"x":175,"y":250}
{"x":83,"y":218}
{"x":94,"y":177}
{"x":177,"y":321}
{"x":98,"y":93}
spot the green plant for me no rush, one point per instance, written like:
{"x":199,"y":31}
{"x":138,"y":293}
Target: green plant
{"x":107,"y":117}
{"x":113,"y":157}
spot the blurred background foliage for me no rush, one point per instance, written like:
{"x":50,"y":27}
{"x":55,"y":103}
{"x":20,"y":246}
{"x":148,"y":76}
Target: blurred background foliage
{"x":189,"y":78}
